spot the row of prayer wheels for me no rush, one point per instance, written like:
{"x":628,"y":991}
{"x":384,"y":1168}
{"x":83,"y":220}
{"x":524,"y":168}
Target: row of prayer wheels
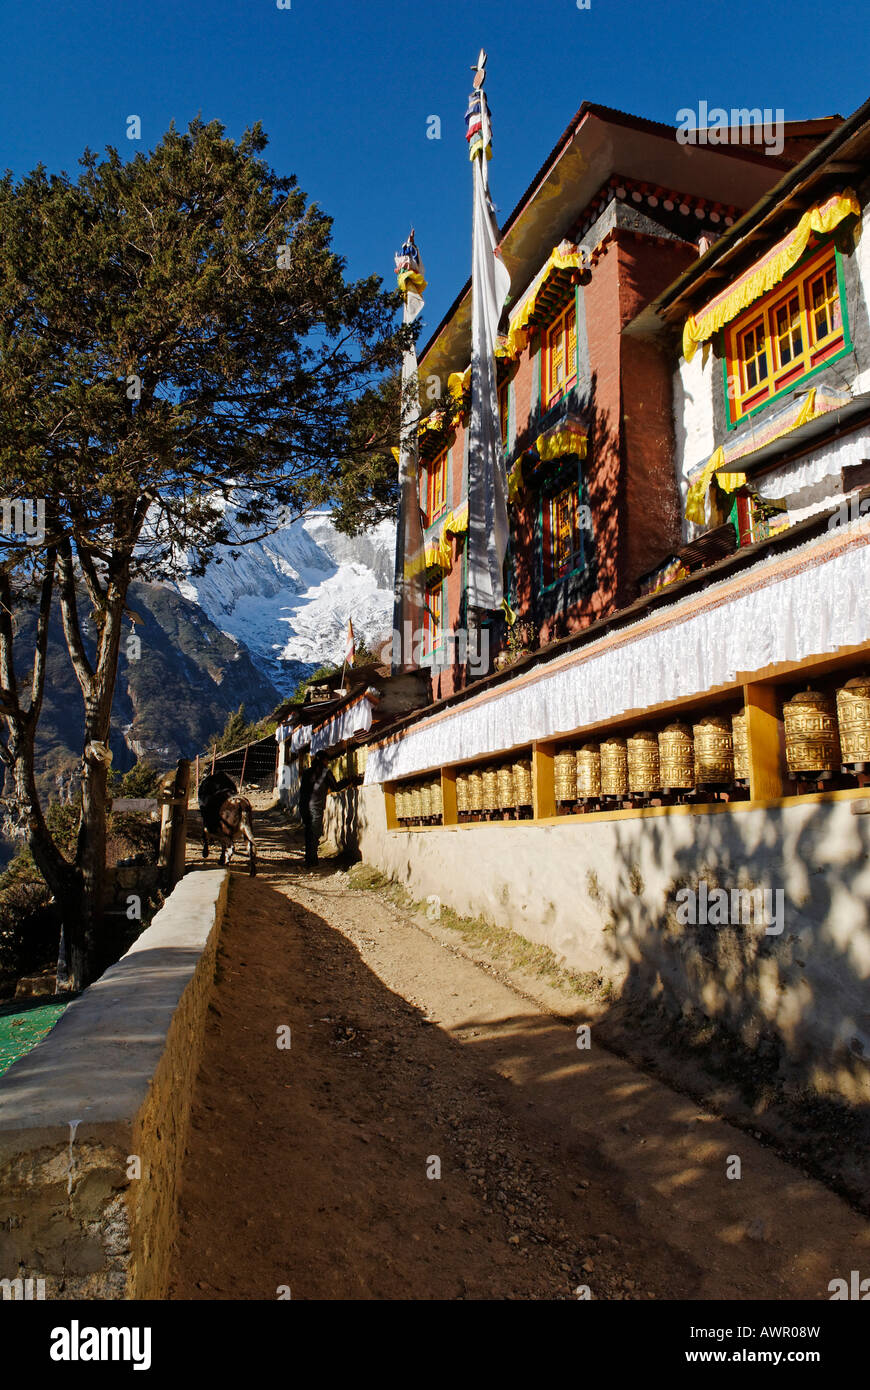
{"x":823,"y":735}
{"x":419,"y":803}
{"x":680,"y":758}
{"x":492,"y":790}
{"x":826,"y":734}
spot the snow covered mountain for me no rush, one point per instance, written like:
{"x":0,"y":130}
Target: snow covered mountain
{"x":289,"y":597}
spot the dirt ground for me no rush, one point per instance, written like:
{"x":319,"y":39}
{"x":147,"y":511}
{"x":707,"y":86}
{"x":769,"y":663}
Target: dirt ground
{"x":314,"y":1168}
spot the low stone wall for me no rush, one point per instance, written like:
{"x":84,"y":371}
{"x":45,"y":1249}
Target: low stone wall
{"x":603,"y":896}
{"x":93,"y":1121}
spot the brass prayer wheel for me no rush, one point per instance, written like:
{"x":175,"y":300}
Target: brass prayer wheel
{"x":425,"y":800}
{"x":523,"y":781}
{"x":475,"y":791}
{"x":401,"y":804}
{"x":812,"y":740}
{"x":740,"y":741}
{"x":853,"y":717}
{"x":565,"y":775}
{"x":643,"y":763}
{"x":614,"y":767}
{"x":588,"y":772}
{"x":714,"y":750}
{"x":676,"y":757}
{"x":507,"y":796}
{"x":463,"y":803}
{"x":435,"y":800}
{"x":414,"y":805}
{"x":490,"y":789}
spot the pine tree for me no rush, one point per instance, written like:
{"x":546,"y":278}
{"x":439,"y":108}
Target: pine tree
{"x":175,"y":332}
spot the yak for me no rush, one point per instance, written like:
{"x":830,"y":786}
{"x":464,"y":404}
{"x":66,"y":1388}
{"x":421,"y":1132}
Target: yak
{"x":225,"y":815}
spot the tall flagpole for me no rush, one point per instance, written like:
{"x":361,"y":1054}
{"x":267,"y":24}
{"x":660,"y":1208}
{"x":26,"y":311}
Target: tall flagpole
{"x":488,"y":525}
{"x":410,"y":561}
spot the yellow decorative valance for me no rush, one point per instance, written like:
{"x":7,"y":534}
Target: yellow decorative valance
{"x":515,"y":479}
{"x":782,"y":257}
{"x":459,"y":382}
{"x":558,"y":442}
{"x":565,"y":262}
{"x":438,"y":550}
{"x":817,"y":401}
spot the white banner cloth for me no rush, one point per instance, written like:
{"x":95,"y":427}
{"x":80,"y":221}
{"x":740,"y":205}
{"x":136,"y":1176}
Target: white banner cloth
{"x":787,"y":608}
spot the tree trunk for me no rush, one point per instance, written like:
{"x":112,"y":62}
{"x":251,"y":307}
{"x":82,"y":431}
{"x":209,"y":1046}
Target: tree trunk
{"x":91,"y":849}
{"x":63,"y":879}
{"x":91,"y":856}
{"x":98,"y":687}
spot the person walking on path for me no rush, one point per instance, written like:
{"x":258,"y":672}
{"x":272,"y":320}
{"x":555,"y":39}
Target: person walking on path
{"x":314,"y":786}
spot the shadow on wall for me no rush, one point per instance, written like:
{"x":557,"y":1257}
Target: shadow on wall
{"x":341,"y":823}
{"x":790,"y":990}
{"x":580,"y":597}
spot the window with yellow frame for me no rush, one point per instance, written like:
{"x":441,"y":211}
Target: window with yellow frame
{"x":561,"y":533}
{"x":794,"y":330}
{"x":560,"y":355}
{"x":434,"y":486}
{"x":433,"y":617}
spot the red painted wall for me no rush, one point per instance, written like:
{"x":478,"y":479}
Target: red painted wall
{"x":629,"y":471}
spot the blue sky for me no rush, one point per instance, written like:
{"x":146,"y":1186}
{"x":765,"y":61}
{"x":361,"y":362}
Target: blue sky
{"x":344,"y":90}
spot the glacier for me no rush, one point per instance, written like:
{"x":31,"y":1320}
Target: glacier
{"x":289,"y":596}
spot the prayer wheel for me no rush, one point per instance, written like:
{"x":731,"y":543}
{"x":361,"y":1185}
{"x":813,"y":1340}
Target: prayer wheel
{"x":643,"y":763}
{"x":435,"y":799}
{"x":490,"y":789}
{"x":740,"y":740}
{"x":676,"y":758}
{"x":475,"y":791}
{"x":853,"y":717}
{"x":614,"y":767}
{"x":565,"y":774}
{"x":401,"y":804}
{"x":812,"y":740}
{"x":425,"y":801}
{"x":714,"y":751}
{"x":507,"y":795}
{"x":588,"y":772}
{"x":523,"y":781}
{"x":414,"y":805}
{"x":463,"y":802}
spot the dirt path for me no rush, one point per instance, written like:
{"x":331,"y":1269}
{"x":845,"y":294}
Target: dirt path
{"x":559,"y":1168}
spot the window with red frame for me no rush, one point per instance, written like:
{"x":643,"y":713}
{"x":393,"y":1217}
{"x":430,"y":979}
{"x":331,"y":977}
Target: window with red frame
{"x":795,"y":329}
{"x":434,"y":487}
{"x":562,"y":533}
{"x":560,"y":356}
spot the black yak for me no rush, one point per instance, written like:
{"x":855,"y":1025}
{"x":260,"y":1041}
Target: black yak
{"x":225,"y":815}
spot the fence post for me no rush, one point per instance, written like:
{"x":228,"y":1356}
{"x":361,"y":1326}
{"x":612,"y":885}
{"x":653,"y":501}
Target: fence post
{"x":178,"y":831}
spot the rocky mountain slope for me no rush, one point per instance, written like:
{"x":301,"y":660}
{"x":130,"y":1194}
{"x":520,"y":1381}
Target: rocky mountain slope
{"x":246,"y":632}
{"x":169,"y":701}
{"x":289,"y":597}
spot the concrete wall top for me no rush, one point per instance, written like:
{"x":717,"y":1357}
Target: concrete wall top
{"x":96,"y":1066}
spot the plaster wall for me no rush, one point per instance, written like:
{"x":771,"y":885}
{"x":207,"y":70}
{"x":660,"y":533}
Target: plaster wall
{"x":602,"y":895}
